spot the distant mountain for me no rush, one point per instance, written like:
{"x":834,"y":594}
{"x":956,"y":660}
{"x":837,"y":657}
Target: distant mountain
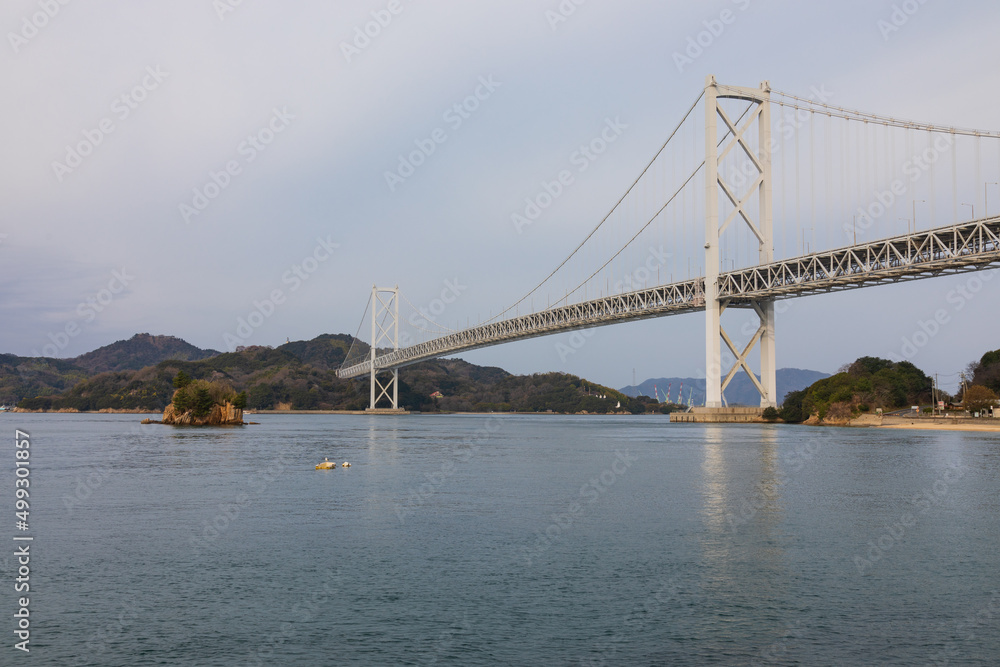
{"x":139,"y":351}
{"x":739,"y":392}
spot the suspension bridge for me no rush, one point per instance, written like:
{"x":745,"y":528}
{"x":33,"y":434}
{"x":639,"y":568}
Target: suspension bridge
{"x":709,"y":197}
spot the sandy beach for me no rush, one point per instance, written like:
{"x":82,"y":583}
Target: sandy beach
{"x":980,"y":425}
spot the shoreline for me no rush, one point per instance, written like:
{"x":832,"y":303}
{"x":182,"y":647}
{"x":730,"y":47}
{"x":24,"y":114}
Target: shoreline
{"x":955,"y":424}
{"x":332,"y":412}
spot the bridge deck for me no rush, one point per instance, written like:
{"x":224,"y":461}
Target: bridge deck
{"x":957,"y":248}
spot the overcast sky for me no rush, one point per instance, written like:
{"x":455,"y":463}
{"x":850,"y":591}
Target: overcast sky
{"x":169,"y":166}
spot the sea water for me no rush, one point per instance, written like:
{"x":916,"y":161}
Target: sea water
{"x":504,"y":540}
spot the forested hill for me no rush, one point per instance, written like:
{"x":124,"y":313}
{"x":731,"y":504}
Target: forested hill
{"x":139,"y":351}
{"x":25,"y":377}
{"x":862,"y":386}
{"x":302,"y":376}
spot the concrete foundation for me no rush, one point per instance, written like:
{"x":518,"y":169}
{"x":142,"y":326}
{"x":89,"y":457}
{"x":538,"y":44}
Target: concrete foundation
{"x":718,"y":416}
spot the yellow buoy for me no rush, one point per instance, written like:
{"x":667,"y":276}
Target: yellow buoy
{"x":327,"y":464}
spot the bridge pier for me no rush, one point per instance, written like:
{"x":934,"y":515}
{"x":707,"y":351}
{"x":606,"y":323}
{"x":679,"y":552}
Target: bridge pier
{"x":718,"y":416}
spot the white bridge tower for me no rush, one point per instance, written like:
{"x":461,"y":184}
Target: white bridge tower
{"x":760,"y":223}
{"x":385,"y":329}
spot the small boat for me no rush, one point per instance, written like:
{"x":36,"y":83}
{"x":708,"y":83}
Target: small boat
{"x":327,"y":464}
{"x":345,"y":464}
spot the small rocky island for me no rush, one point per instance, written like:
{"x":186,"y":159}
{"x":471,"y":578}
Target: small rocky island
{"x":203,"y":403}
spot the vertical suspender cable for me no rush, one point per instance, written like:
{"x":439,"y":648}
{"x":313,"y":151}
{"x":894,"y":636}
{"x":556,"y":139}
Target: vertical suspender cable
{"x":828,"y":175}
{"x":856,"y":166}
{"x":954,"y":178}
{"x":846,"y":214}
{"x":886,"y":164}
{"x":979,"y":173}
{"x":812,"y":179}
{"x":931,"y":186}
{"x":798,"y":207}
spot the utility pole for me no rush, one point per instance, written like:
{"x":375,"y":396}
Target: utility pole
{"x":934,"y":407}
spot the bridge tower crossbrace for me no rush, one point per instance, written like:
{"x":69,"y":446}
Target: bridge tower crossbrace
{"x":759,"y":223}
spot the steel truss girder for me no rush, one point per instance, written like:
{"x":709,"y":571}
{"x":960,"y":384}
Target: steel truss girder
{"x":683,"y":297}
{"x":957,"y":248}
{"x":965,"y":247}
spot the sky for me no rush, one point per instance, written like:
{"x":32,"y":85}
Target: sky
{"x":217,"y":170}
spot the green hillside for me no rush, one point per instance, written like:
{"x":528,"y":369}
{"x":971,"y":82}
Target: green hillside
{"x":29,"y":376}
{"x":987,"y":371}
{"x":139,"y":351}
{"x":863,"y":386}
{"x":24,"y":377}
{"x":302,"y":376}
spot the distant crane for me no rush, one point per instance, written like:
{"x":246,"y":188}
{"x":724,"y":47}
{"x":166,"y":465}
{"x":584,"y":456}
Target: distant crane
{"x":668,"y":391}
{"x":690,"y":398}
